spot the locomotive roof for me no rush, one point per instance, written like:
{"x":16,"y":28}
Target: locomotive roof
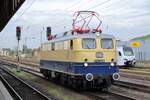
{"x":86,"y":35}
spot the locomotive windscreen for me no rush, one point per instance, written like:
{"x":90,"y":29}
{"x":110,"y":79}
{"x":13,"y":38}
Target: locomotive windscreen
{"x":107,"y":43}
{"x":88,"y":43}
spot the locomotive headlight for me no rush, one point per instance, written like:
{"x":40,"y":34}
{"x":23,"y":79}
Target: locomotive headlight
{"x":97,"y":34}
{"x":112,"y":64}
{"x":85,"y":64}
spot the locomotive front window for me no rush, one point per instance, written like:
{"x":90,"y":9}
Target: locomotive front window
{"x":88,"y":43}
{"x":107,"y":43}
{"x":128,"y":51}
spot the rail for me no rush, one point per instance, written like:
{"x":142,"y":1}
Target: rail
{"x":21,"y":89}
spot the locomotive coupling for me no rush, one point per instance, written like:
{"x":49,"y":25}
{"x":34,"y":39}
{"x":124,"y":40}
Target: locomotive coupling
{"x":89,"y":77}
{"x":116,"y":76}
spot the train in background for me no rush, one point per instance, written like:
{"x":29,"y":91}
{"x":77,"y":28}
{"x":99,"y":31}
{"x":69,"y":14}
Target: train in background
{"x":82,"y":57}
{"x":125,"y":56}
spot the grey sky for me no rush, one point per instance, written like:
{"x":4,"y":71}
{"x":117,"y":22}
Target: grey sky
{"x":125,"y":19}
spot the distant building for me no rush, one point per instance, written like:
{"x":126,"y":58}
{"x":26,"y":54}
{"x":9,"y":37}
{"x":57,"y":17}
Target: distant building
{"x":4,"y":52}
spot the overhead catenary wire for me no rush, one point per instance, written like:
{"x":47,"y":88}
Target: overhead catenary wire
{"x":27,"y":8}
{"x":99,"y":4}
{"x":113,"y":4}
{"x":77,"y":4}
{"x":127,"y":16}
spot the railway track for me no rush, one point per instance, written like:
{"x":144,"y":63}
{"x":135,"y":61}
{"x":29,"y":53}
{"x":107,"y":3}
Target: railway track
{"x":133,"y":86}
{"x":28,"y":70}
{"x":98,"y":96}
{"x":128,"y":85}
{"x":94,"y":95}
{"x":102,"y":96}
{"x":108,"y":96}
{"x":21,"y":62}
{"x":19,"y":89}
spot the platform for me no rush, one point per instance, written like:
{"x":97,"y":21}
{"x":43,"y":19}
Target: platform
{"x":4,"y":94}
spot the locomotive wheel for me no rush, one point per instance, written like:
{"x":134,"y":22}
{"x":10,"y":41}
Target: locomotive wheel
{"x":45,"y":73}
{"x":69,"y":81}
{"x":84,"y":84}
{"x":74,"y":83}
{"x":106,"y":83}
{"x":49,"y":75}
{"x":62,"y":80}
{"x":57,"y":78}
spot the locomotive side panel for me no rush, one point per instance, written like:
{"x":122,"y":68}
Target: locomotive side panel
{"x":78,"y":54}
{"x":76,"y":60}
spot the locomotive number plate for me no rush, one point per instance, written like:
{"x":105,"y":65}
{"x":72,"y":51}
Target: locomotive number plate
{"x":99,"y":55}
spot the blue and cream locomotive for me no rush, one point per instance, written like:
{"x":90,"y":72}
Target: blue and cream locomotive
{"x":80,"y":60}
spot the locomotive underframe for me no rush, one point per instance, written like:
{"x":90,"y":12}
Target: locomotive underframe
{"x":79,"y":81}
{"x":102,"y":75}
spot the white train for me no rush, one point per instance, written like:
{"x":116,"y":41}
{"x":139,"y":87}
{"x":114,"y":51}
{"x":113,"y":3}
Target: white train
{"x":125,"y":56}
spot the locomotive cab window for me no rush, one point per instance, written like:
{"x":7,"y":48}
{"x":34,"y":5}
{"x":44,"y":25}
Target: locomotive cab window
{"x":107,"y":43}
{"x":88,"y":43}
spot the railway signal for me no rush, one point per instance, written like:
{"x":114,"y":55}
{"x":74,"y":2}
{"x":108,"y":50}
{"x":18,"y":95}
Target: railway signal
{"x":18,"y":32}
{"x":49,"y":36}
{"x":18,"y":35}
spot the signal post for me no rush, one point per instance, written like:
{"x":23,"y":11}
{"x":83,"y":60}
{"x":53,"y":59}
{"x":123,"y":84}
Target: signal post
{"x":18,"y":35}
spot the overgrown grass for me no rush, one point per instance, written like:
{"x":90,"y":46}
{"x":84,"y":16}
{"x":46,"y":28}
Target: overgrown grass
{"x":51,"y":88}
{"x":22,"y":74}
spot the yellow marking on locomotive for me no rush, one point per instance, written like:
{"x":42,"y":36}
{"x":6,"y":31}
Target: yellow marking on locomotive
{"x":78,"y":54}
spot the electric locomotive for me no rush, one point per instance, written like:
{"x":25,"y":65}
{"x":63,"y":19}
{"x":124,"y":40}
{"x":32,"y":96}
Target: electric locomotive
{"x":81,"y":57}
